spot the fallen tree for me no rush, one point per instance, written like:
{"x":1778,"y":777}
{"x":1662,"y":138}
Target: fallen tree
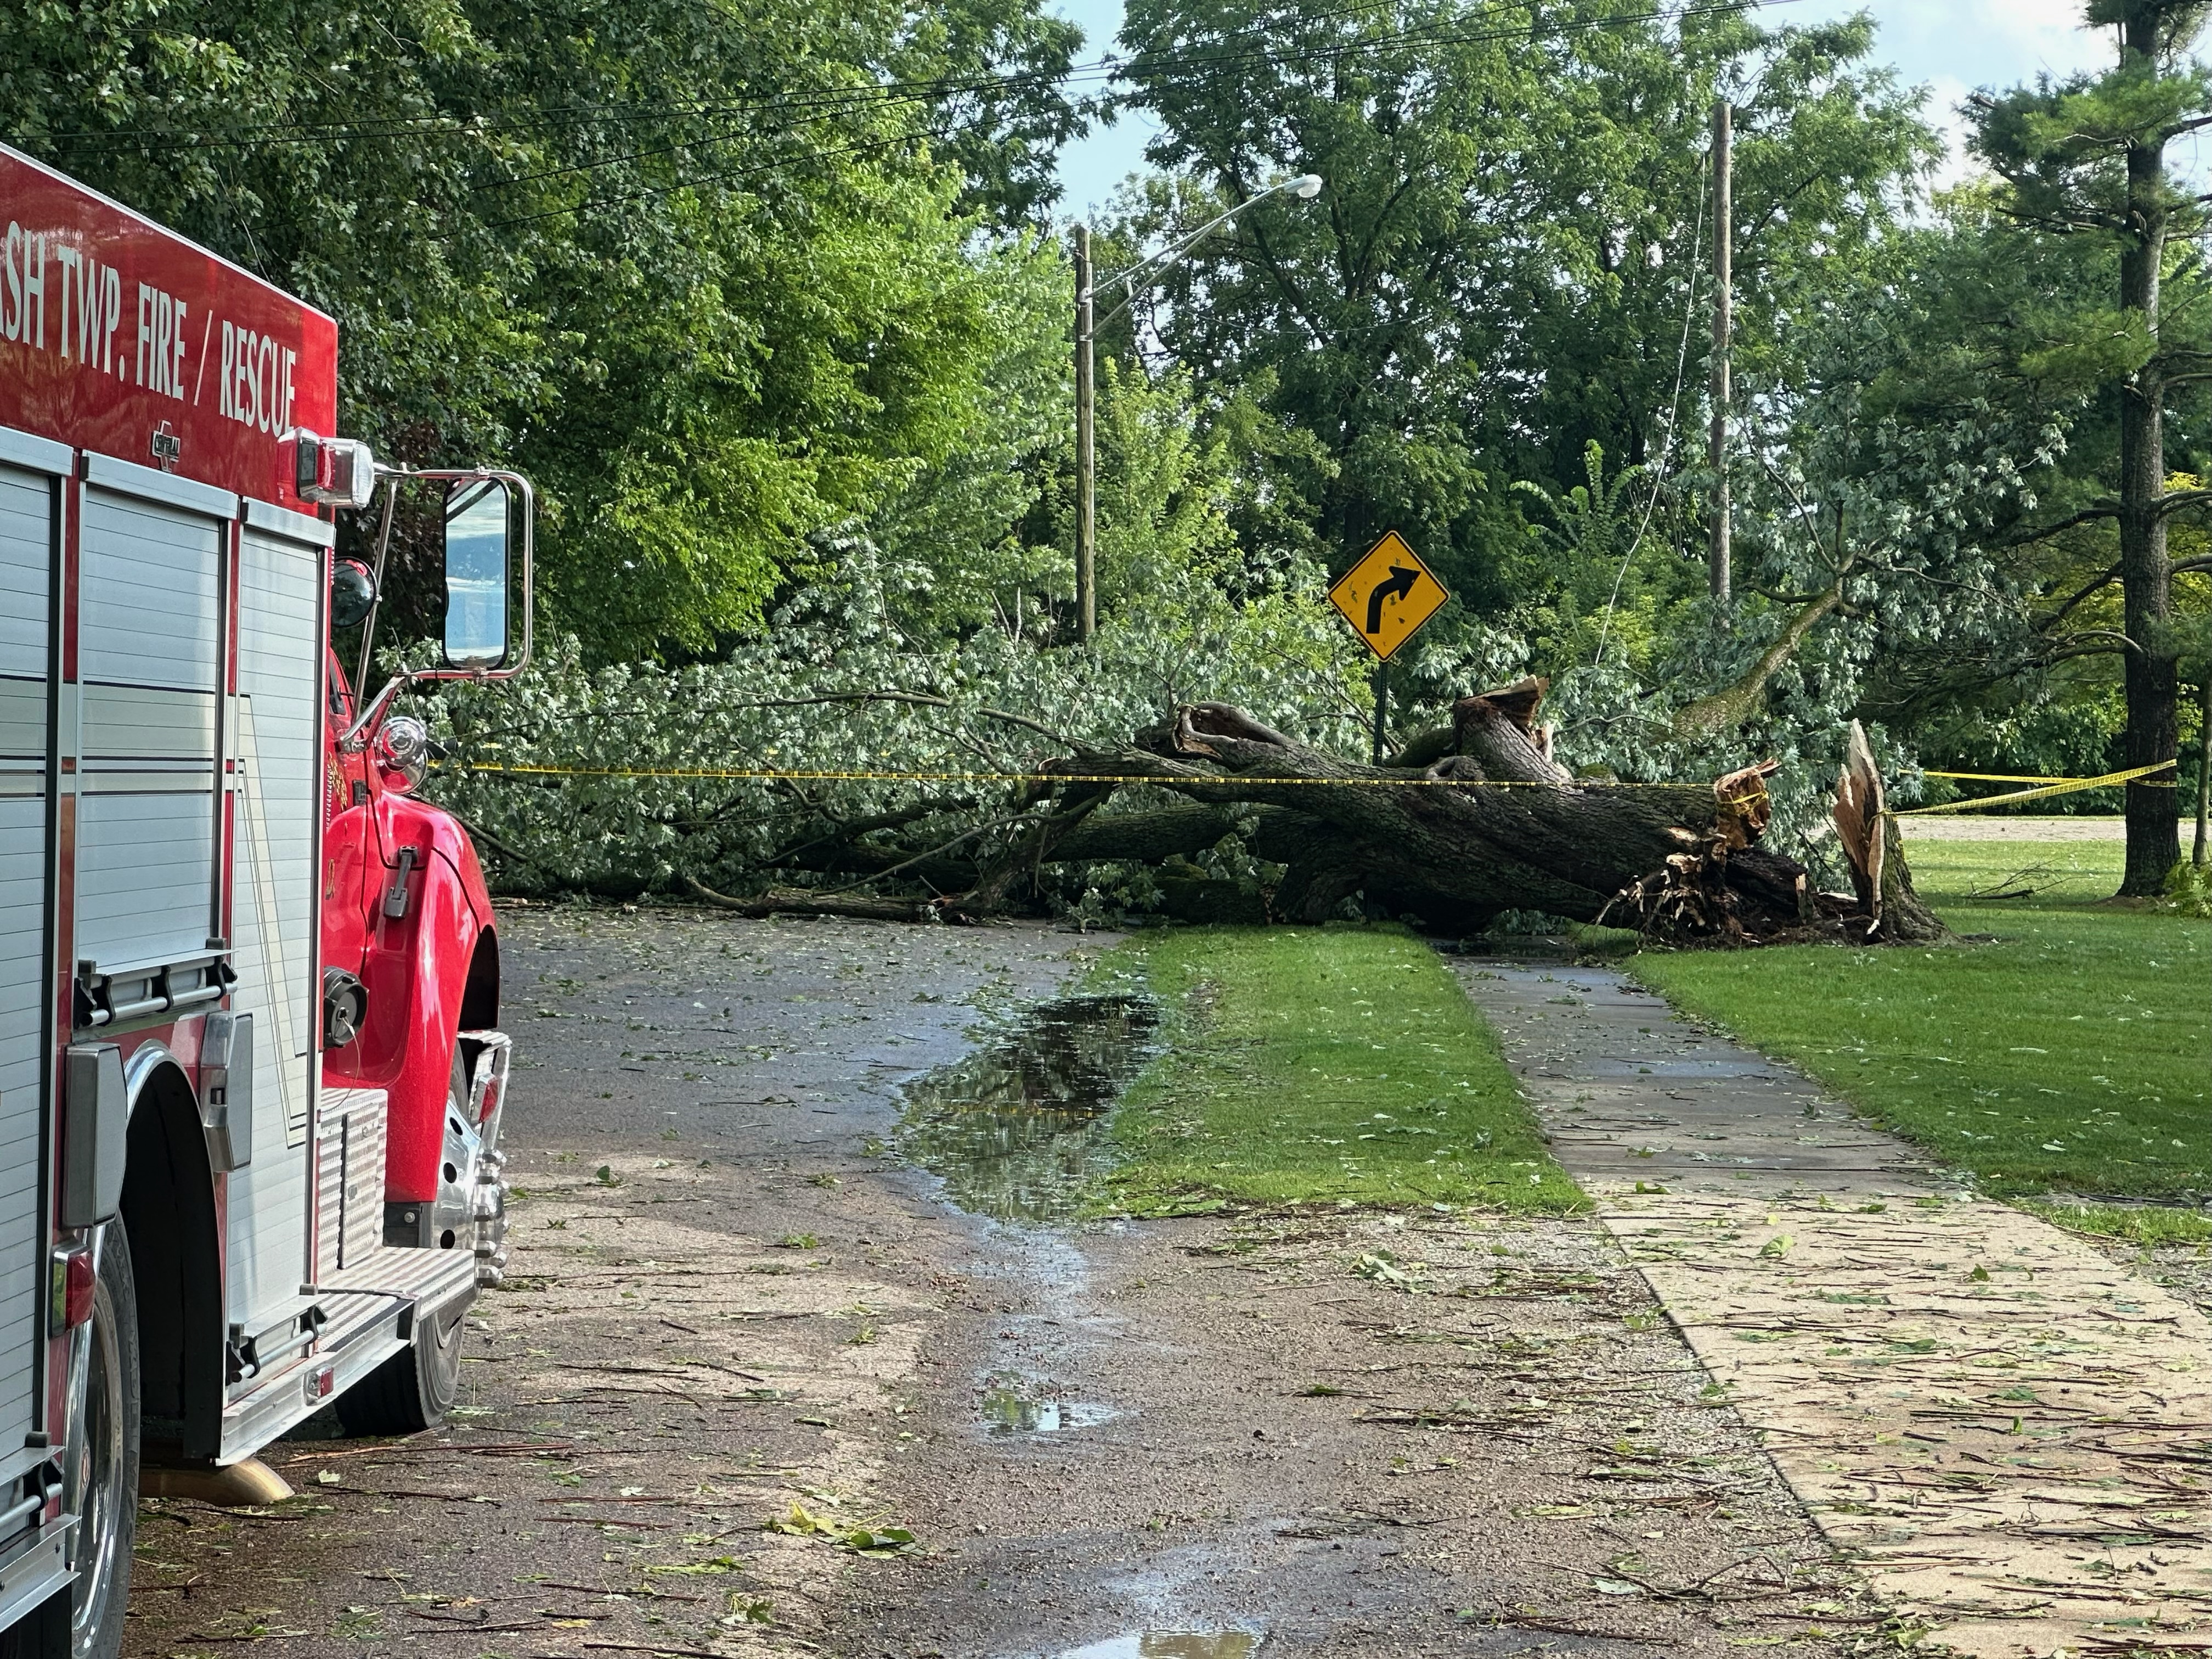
{"x":1209,"y":815}
{"x":1464,"y":823}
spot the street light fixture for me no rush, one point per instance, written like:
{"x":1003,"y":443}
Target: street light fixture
{"x":1304,"y":188}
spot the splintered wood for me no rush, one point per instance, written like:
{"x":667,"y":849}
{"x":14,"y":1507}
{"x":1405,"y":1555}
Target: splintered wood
{"x":2010,"y":1435}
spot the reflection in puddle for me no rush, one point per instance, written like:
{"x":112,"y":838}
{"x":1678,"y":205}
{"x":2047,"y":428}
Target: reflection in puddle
{"x":1172,"y":1645}
{"x":1018,"y":1130}
{"x":1012,"y":1404}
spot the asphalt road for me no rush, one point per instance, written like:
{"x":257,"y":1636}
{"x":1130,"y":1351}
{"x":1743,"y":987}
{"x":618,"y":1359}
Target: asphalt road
{"x":757,"y":1385}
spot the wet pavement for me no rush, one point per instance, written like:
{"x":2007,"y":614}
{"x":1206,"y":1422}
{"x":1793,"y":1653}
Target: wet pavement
{"x":1174,"y":1645}
{"x":1220,"y":1438}
{"x":786,"y":1364}
{"x":1499,"y":1448}
{"x":719,"y":1290}
{"x":1018,"y":1130}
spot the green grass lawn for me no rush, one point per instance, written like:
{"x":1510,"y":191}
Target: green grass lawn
{"x":2073,"y":1054}
{"x":1315,"y":1065}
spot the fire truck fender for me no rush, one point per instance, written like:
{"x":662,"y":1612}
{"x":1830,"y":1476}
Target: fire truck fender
{"x":441,"y":967}
{"x":169,"y":1217}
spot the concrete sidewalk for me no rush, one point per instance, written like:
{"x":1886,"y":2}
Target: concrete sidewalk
{"x":2009,"y":1434}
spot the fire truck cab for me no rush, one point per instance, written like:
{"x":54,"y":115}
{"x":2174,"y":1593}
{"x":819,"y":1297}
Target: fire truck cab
{"x":250,"y":1077}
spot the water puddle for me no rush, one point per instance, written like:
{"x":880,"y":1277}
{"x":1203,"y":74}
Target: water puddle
{"x":1172,"y":1645}
{"x":1017,"y":1131}
{"x":1013,"y":1403}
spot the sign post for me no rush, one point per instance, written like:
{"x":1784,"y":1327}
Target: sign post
{"x":1386,"y":597}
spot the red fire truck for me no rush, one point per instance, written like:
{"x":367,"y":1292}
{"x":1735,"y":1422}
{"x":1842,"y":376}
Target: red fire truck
{"x":250,"y":1080}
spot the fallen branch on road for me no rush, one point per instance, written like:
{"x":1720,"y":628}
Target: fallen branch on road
{"x":799,"y":902}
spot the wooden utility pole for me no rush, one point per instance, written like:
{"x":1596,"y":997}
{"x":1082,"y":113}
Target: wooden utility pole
{"x":1723,"y":278}
{"x":1086,"y":462}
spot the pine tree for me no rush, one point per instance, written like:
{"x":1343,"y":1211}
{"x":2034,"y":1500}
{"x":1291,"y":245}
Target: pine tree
{"x":2087,"y":157}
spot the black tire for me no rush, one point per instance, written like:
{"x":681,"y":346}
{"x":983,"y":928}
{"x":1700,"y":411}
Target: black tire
{"x":414,"y":1389}
{"x":100,"y":1468}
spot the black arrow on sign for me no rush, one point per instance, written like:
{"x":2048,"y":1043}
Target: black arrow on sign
{"x":1399,"y":585}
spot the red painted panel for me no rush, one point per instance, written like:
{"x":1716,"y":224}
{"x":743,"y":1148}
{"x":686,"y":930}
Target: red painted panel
{"x":416,"y":969}
{"x":119,"y":336}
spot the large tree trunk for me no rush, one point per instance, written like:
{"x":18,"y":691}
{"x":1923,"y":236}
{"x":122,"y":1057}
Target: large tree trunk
{"x":1870,"y":839}
{"x":1456,"y":830}
{"x":2152,"y":685}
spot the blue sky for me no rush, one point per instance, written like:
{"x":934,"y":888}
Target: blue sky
{"x":1950,"y":47}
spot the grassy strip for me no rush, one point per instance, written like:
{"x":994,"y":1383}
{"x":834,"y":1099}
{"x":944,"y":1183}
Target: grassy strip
{"x":2073,"y":1054}
{"x":1340,"y":1065}
{"x":2148,"y":1225}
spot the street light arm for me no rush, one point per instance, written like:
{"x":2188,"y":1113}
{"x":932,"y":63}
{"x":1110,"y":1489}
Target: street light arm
{"x":1306,"y":186}
{"x":1168,"y":255}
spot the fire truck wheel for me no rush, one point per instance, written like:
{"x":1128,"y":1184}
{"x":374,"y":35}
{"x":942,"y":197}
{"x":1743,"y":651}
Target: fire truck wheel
{"x":414,"y":1389}
{"x":100,"y":1482}
{"x":100,"y":1464}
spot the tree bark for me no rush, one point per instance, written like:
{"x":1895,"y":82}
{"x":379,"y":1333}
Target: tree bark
{"x":1464,"y":823}
{"x":2150,"y":679}
{"x":1875,"y":847}
{"x":1493,"y":824}
{"x":2204,"y":765}
{"x":1730,"y":706}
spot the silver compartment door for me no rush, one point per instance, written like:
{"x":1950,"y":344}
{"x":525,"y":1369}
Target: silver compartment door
{"x":149,"y":602}
{"x":277,"y":733}
{"x":29,"y":509}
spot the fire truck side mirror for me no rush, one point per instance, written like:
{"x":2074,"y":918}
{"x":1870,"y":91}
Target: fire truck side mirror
{"x":479,"y":516}
{"x":95,"y":1119}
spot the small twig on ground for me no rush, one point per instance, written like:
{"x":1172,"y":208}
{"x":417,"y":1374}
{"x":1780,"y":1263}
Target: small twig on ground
{"x":235,"y":1514}
{"x":497,"y":1450}
{"x":1524,"y":1621}
{"x":677,"y":1653}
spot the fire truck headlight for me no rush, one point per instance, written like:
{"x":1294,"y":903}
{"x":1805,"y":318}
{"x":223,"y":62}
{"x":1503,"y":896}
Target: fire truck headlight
{"x":403,"y":752}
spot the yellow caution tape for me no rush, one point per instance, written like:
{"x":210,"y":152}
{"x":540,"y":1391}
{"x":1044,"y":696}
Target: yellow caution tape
{"x":779,"y":775}
{"x":785,"y":774}
{"x":1998,"y":777}
{"x":2066,"y":786}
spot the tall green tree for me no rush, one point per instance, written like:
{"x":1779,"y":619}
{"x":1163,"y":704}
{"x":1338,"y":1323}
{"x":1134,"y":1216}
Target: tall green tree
{"x":2087,"y":159}
{"x":721,"y":277}
{"x":1501,"y":269}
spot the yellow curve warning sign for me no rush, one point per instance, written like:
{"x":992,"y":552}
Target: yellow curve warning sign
{"x":1387,"y":595}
